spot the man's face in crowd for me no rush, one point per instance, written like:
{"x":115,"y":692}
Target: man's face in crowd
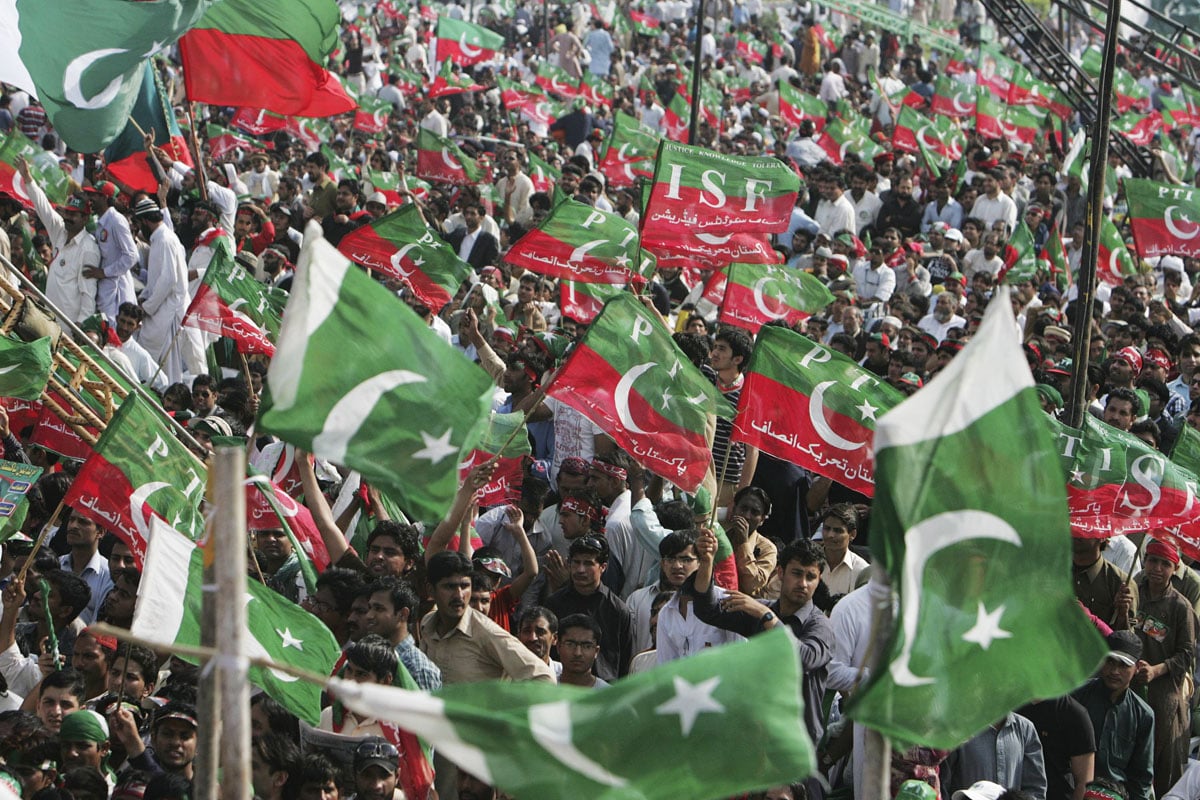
{"x":382,"y":617}
{"x":314,"y":171}
{"x":471,"y":218}
{"x":83,"y":754}
{"x":680,"y":566}
{"x":73,"y":221}
{"x":174,"y":743}
{"x":835,"y":539}
{"x":721,"y":356}
{"x":578,"y":648}
{"x":799,"y":582}
{"x":481,"y":599}
{"x":136,"y":686}
{"x":1158,"y":573}
{"x":375,"y":783}
{"x":903,"y":189}
{"x":313,"y":790}
{"x":82,"y":532}
{"x":1085,"y":552}
{"x":273,"y":544}
{"x":944,"y":307}
{"x":119,"y":602}
{"x":54,"y":704}
{"x":356,"y":625}
{"x":535,"y":634}
{"x":120,"y":557}
{"x":385,"y":557}
{"x":1115,"y":675}
{"x":243,"y":225}
{"x":586,"y":571}
{"x":203,"y":399}
{"x":88,"y":657}
{"x":345,"y":201}
{"x":452,"y":596}
{"x":126,"y":326}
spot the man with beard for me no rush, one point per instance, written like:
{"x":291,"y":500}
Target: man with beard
{"x":900,"y":210}
{"x":938,"y":322}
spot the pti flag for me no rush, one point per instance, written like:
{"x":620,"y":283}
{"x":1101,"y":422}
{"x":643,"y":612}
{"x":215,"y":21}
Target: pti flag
{"x":139,"y":472}
{"x":507,"y":441}
{"x":168,"y":613}
{"x":361,"y":381}
{"x":372,"y":115}
{"x":54,"y":182}
{"x":125,"y":158}
{"x":580,"y":243}
{"x":983,"y":581}
{"x":1115,"y":262}
{"x":465,"y":43}
{"x":402,"y":246}
{"x":810,"y":405}
{"x":704,"y":191}
{"x":630,"y":378}
{"x":583,"y":302}
{"x":703,"y":727}
{"x":266,"y":54}
{"x":756,"y":294}
{"x":229,"y":302}
{"x":1165,"y":218}
{"x":629,"y":152}
{"x":439,"y":159}
{"x":83,"y":59}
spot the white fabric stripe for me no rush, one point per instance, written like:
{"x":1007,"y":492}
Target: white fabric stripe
{"x":159,"y":610}
{"x":12,"y":69}
{"x":989,"y":372}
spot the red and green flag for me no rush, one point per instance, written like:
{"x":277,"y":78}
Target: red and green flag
{"x":401,"y":246}
{"x":258,"y":121}
{"x":582,"y":302}
{"x":630,"y":378}
{"x":1021,"y":261}
{"x":580,"y":243}
{"x":756,"y":294}
{"x":442,"y":161}
{"x":812,"y":406}
{"x":515,"y":94}
{"x":54,"y":182}
{"x":738,"y":88}
{"x":222,"y":141}
{"x":1117,"y":484}
{"x":556,"y":80}
{"x":1139,"y":128}
{"x":388,"y":183}
{"x":543,"y":176}
{"x":448,"y":82}
{"x":372,"y":115}
{"x":506,"y":440}
{"x":644,"y":24}
{"x":139,"y":470}
{"x":1114,"y":261}
{"x":1165,"y":218}
{"x":466,"y":43}
{"x":596,"y":90}
{"x":750,"y":48}
{"x":1131,"y":95}
{"x":993,"y":72}
{"x":702,"y":191}
{"x":684,"y":249}
{"x":125,"y":158}
{"x":989,"y":115}
{"x":229,"y":302}
{"x":840,"y":138}
{"x":1023,"y":124}
{"x":1055,"y":254}
{"x":797,"y":105}
{"x":266,"y":54}
{"x":629,"y":153}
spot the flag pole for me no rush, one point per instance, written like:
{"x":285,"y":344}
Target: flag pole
{"x":1082,"y":335}
{"x":201,"y":173}
{"x":41,"y":539}
{"x":697,"y":46}
{"x":229,"y":569}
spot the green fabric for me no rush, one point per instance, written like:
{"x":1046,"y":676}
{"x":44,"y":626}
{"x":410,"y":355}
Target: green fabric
{"x":24,"y":367}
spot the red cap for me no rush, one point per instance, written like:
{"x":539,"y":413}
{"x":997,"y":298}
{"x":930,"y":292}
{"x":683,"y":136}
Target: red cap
{"x":1162,"y":550}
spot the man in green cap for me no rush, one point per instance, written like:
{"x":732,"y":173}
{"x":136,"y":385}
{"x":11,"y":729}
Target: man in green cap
{"x":84,"y":741}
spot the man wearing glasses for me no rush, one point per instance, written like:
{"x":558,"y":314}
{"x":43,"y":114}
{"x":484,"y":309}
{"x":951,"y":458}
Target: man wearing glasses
{"x":577,"y":647}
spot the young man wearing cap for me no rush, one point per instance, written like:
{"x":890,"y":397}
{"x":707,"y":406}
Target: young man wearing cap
{"x":76,"y":253}
{"x":118,"y":253}
{"x":172,"y":739}
{"x":165,"y":298}
{"x":1166,"y":625}
{"x":261,"y":181}
{"x":252,"y":228}
{"x":376,"y":769}
{"x":83,"y":738}
{"x":586,"y":594}
{"x":286,"y":236}
{"x":1123,"y":722}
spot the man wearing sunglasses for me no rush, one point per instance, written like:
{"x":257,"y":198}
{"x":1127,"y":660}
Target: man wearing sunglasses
{"x":376,"y":769}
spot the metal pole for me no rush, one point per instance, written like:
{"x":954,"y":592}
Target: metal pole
{"x":229,"y":535}
{"x":1082,"y":334}
{"x":208,"y":699}
{"x":694,"y":124}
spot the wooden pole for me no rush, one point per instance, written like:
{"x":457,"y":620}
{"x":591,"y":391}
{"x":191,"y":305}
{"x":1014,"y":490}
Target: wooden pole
{"x":41,"y":539}
{"x":229,"y":541}
{"x":877,"y":755}
{"x":208,"y":737}
{"x":201,"y":172}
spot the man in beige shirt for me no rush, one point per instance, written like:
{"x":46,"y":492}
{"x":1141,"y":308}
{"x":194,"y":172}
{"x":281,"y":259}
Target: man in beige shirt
{"x":464,"y":643}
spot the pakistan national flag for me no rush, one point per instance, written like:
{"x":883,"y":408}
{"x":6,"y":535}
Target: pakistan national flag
{"x":168,"y":612}
{"x":971,"y":513}
{"x":361,"y":380}
{"x":703,"y":727}
{"x":24,"y":367}
{"x":83,"y":58}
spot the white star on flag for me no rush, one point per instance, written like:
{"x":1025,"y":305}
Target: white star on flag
{"x":867,"y":411}
{"x":987,"y":627}
{"x":435,"y":449}
{"x":1077,"y":475}
{"x":289,"y":640}
{"x":690,"y":701}
{"x":666,"y":397}
{"x":622,"y":260}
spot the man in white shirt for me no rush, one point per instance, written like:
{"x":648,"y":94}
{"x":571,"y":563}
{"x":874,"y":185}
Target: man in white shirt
{"x":866,"y":203}
{"x":165,"y":297}
{"x":994,"y":204}
{"x":118,"y":253}
{"x":838,"y":530}
{"x":835,"y":212}
{"x":261,"y":181}
{"x":75,"y":250}
{"x":942,"y":319}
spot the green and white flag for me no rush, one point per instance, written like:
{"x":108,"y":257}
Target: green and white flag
{"x":168,"y":613}
{"x":971,"y":513}
{"x":24,"y":367}
{"x":703,"y":727}
{"x":361,"y":380}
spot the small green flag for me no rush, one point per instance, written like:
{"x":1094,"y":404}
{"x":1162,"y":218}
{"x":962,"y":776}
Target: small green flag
{"x":16,"y":479}
{"x":703,"y":727}
{"x":971,"y":509}
{"x":359,"y":379}
{"x":24,"y":367}
{"x":168,"y":612}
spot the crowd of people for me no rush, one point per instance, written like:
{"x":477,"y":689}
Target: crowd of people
{"x":601,"y":569}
